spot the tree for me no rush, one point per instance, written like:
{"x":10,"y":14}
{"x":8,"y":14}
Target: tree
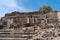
{"x":45,"y":9}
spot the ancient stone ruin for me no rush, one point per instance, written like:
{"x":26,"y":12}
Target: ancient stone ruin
{"x":30,"y":26}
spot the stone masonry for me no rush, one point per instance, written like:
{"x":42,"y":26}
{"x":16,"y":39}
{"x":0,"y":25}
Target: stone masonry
{"x":31,"y":26}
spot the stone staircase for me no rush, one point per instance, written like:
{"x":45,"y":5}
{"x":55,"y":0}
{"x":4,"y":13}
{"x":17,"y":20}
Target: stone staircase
{"x":12,"y":35}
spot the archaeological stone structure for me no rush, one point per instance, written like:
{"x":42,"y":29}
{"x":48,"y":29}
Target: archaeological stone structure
{"x":30,"y":26}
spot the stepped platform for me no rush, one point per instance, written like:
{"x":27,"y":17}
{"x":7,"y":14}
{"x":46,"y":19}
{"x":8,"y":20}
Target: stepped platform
{"x":13,"y":35}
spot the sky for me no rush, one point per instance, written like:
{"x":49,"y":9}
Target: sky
{"x":8,"y":6}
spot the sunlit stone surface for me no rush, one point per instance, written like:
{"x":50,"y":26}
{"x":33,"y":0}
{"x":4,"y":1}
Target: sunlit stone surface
{"x":30,"y":26}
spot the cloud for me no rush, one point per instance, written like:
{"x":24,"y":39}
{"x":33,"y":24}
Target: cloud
{"x":12,"y":5}
{"x":7,"y":6}
{"x":8,"y":3}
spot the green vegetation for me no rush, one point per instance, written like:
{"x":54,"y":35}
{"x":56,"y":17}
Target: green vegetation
{"x":45,"y":9}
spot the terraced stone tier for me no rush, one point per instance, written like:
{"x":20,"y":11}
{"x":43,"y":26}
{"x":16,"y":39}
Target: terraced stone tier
{"x":11,"y":35}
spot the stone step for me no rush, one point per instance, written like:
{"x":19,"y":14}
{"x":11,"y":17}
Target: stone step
{"x":13,"y":38}
{"x":16,"y":32}
{"x":12,"y":35}
{"x":8,"y":33}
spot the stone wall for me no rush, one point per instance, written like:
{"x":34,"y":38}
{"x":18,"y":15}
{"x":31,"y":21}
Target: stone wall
{"x":33,"y":18}
{"x":45,"y":26}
